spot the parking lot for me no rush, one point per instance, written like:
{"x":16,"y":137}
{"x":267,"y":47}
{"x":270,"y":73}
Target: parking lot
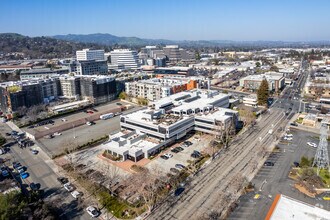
{"x":273,"y":180}
{"x":82,"y":134}
{"x":180,"y":157}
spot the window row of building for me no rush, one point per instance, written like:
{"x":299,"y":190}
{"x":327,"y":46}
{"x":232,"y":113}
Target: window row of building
{"x":26,"y":93}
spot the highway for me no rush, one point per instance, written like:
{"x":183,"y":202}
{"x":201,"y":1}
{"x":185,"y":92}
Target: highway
{"x":215,"y":188}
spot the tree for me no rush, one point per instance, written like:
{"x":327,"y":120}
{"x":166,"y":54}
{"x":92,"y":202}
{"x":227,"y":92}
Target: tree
{"x":274,"y":68}
{"x":112,"y":174}
{"x":263,"y":92}
{"x":227,"y":132}
{"x":123,"y":95}
{"x":147,"y":185}
{"x":197,"y":56}
{"x":258,"y":64}
{"x":247,"y":116}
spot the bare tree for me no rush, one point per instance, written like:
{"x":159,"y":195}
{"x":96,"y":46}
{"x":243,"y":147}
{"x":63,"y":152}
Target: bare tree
{"x":32,"y":113}
{"x":227,"y":133}
{"x":145,"y":184}
{"x":112,"y":175}
{"x":247,"y":116}
{"x":22,"y":110}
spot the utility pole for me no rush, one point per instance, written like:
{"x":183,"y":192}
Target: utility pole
{"x":321,"y":159}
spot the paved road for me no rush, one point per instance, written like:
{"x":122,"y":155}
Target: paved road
{"x":40,"y":168}
{"x":205,"y":190}
{"x":213,"y":189}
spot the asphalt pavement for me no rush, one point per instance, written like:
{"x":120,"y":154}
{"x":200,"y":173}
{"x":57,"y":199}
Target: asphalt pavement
{"x":41,"y":170}
{"x":273,"y":180}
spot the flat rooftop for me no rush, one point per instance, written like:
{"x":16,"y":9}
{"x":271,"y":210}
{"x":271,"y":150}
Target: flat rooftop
{"x":285,"y":207}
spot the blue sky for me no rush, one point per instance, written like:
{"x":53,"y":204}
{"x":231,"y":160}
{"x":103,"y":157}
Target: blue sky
{"x":290,"y":20}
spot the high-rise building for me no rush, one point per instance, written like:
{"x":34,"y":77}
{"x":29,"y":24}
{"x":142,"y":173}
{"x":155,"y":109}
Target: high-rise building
{"x":172,"y":52}
{"x":128,"y":58}
{"x":87,"y":54}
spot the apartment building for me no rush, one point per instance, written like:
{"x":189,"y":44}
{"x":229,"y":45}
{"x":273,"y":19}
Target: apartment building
{"x":88,"y":54}
{"x":92,"y":67}
{"x":276,"y":81}
{"x":27,"y":93}
{"x":98,"y":89}
{"x":42,"y":73}
{"x":70,"y":87}
{"x":157,"y":88}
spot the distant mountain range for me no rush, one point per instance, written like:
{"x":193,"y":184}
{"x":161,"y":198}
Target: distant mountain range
{"x":110,"y":40}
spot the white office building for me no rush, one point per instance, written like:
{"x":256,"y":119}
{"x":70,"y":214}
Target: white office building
{"x":128,"y":58}
{"x":87,"y":54}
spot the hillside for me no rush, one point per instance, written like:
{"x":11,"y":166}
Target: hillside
{"x":39,"y":47}
{"x":112,"y":40}
{"x":109,"y":39}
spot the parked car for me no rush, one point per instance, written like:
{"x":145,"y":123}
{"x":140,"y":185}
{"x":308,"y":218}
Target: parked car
{"x":294,"y":124}
{"x":168,"y":155}
{"x":34,"y":151}
{"x":8,"y":134}
{"x":68,"y":187}
{"x":269,"y":164}
{"x":196,"y":154}
{"x":118,"y":103}
{"x":164,"y":157}
{"x":62,"y":180}
{"x":4,"y":171}
{"x":16,"y":164}
{"x":89,"y":123}
{"x":288,"y":138}
{"x":179,"y":166}
{"x":175,"y":150}
{"x":296,"y":164}
{"x":188,"y":143}
{"x":92,"y":211}
{"x":34,"y":186}
{"x":178,"y":191}
{"x":57,"y":134}
{"x":20,"y":169}
{"x":24,"y":175}
{"x":75,"y":194}
{"x":288,"y":135}
{"x":179,"y":149}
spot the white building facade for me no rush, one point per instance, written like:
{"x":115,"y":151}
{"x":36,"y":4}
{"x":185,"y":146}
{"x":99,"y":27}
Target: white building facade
{"x":87,"y":54}
{"x":128,"y":58}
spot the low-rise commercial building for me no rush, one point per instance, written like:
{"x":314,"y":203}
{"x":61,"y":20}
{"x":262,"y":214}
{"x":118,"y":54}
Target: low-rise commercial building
{"x":169,"y":119}
{"x":276,"y":81}
{"x":250,"y":101}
